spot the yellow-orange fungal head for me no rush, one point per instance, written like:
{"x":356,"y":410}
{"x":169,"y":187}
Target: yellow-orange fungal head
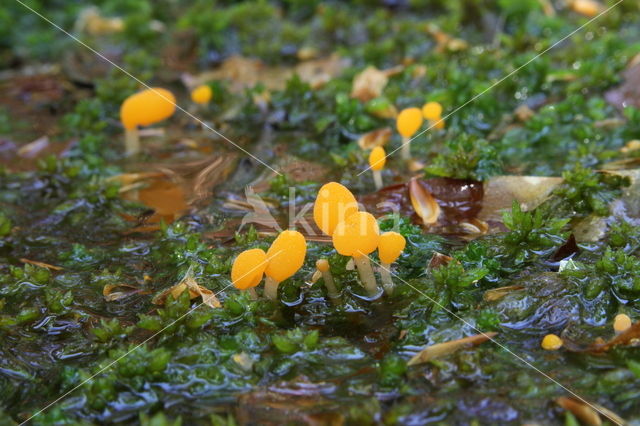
{"x":409,"y":121}
{"x":432,"y":111}
{"x":357,"y":235}
{"x":439,"y":124}
{"x":286,"y":255}
{"x":147,"y":107}
{"x":334,"y":204}
{"x":377,"y":158}
{"x":322,"y":265}
{"x":390,"y":247}
{"x":248,"y":268}
{"x":551,"y":342}
{"x":622,"y":322}
{"x":201,"y":94}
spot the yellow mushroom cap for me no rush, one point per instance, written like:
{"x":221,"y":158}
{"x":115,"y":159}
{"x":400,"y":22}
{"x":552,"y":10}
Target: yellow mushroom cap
{"x":621,"y":323}
{"x":201,"y":94}
{"x":551,"y":342}
{"x":439,"y":124}
{"x":147,"y":107}
{"x":334,"y":204}
{"x":248,"y":268}
{"x":409,"y":121}
{"x":432,"y":111}
{"x":390,"y":246}
{"x":357,"y":235}
{"x":377,"y":158}
{"x":322,"y":265}
{"x":286,"y":255}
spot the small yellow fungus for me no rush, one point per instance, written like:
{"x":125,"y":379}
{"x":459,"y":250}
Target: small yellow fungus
{"x":201,"y":94}
{"x":432,"y":111}
{"x":408,"y":122}
{"x":143,"y":109}
{"x":390,"y":246}
{"x":323,"y":266}
{"x":248,"y":269}
{"x":285,"y":256}
{"x":357,"y":236}
{"x":621,"y":323}
{"x":334,"y":204}
{"x":377,"y":160}
{"x":551,"y":342}
{"x":439,"y":124}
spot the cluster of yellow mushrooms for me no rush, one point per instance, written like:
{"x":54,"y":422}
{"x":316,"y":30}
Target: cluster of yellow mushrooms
{"x":354,"y":233}
{"x":408,"y":122}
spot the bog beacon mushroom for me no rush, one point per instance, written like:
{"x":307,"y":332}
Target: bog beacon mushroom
{"x":432,"y":111}
{"x":143,"y":109}
{"x":202,"y":94}
{"x":377,"y":160}
{"x":285,"y":256}
{"x":408,"y":122}
{"x":622,"y":322}
{"x":323,"y":266}
{"x":357,"y":236}
{"x":334,"y":203}
{"x":390,"y":247}
{"x":551,"y":342}
{"x":248,"y":269}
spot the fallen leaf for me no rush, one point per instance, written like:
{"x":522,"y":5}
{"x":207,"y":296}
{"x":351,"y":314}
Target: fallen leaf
{"x":629,"y":337}
{"x":423,"y":203}
{"x":375,"y":138}
{"x":113,"y":292}
{"x":369,"y":84}
{"x":438,"y":259}
{"x":475,"y":226}
{"x":498,"y":293}
{"x":442,"y":349}
{"x":585,"y":413}
{"x":91,"y":21}
{"x":568,"y":249}
{"x":195,"y":290}
{"x":41,"y":264}
{"x":33,"y":149}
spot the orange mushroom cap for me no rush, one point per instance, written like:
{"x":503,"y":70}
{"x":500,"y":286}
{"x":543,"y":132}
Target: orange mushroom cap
{"x":286,"y":255}
{"x":248,"y":268}
{"x":322,"y":265}
{"x":390,"y":246}
{"x":357,"y":235}
{"x":622,"y":322}
{"x":432,"y":111}
{"x":147,"y":107}
{"x":201,"y":94}
{"x":334,"y":204}
{"x":409,"y":121}
{"x":377,"y":158}
{"x":551,"y":342}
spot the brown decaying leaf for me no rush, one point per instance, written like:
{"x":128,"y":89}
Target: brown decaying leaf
{"x":585,"y":413}
{"x":444,"y":41}
{"x":41,"y":264}
{"x":569,"y":248}
{"x":475,"y":226}
{"x":423,"y":203}
{"x":370,"y":83}
{"x":500,"y":292}
{"x":442,"y":349}
{"x":111,"y":293}
{"x":529,"y":191}
{"x":91,"y":21}
{"x":375,"y":138}
{"x":195,"y":290}
{"x":588,"y":8}
{"x":438,"y":259}
{"x":629,"y":337}
{"x":243,"y":73}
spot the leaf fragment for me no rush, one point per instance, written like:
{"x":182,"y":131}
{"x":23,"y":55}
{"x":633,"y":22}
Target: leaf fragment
{"x":441,"y":349}
{"x":423,"y":203}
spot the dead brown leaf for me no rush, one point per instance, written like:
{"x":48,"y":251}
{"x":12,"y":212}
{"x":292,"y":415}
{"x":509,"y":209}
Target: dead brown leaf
{"x":423,"y":203}
{"x":113,"y":292}
{"x":195,"y":290}
{"x":584,"y":412}
{"x":442,"y":349}
{"x":629,"y":337}
{"x":375,"y":138}
{"x":369,"y":84}
{"x":438,"y":259}
{"x":500,"y":292}
{"x":41,"y":264}
{"x":588,"y":8}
